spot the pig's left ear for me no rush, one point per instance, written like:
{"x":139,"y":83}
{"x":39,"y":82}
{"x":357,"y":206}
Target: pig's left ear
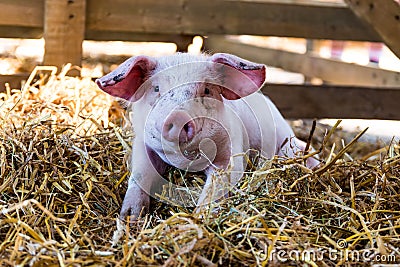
{"x":240,"y":77}
{"x":126,"y":80}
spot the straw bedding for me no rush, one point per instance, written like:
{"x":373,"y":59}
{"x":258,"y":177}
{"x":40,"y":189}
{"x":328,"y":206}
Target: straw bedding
{"x":63,"y":177}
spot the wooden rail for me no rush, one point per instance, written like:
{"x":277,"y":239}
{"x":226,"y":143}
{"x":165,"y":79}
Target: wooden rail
{"x":274,"y":18}
{"x":308,"y":101}
{"x":346,"y":102}
{"x":14,"y":81}
{"x":312,"y":19}
{"x":333,"y":71}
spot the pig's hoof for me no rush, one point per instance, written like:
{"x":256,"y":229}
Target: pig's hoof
{"x":134,"y":208}
{"x":118,"y":233}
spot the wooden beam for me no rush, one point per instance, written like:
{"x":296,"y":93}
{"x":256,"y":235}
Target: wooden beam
{"x":267,"y":17}
{"x":25,"y":13}
{"x":13,"y":80}
{"x":383,"y":16}
{"x":20,"y":32}
{"x":136,"y":37}
{"x":64,"y":31}
{"x":307,"y":101}
{"x":181,"y":40}
{"x":337,"y":72}
{"x":306,"y":19}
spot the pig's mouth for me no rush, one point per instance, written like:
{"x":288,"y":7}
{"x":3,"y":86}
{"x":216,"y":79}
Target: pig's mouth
{"x":203,"y":150}
{"x":191,"y":154}
{"x":189,"y":149}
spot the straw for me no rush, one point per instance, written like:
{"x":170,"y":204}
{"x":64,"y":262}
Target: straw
{"x":63,"y":178}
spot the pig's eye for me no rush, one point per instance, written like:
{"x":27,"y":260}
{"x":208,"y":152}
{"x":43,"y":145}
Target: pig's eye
{"x":157,"y":89}
{"x":206,"y":91}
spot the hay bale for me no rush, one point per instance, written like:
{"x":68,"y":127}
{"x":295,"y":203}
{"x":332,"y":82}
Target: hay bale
{"x":63,"y":178}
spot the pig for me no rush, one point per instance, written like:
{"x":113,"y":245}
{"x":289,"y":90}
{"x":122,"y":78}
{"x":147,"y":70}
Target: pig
{"x":196,"y":113}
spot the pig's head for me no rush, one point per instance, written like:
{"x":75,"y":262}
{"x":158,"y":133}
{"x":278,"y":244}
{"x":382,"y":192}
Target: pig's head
{"x":181,"y":101}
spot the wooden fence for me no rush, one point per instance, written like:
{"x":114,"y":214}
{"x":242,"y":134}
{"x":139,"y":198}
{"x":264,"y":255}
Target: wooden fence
{"x":374,"y":93}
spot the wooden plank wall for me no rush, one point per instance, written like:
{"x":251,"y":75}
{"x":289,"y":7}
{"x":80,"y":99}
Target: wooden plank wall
{"x":314,"y":20}
{"x":66,"y":23}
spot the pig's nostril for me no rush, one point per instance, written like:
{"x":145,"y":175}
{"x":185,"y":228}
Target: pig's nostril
{"x":186,"y":127}
{"x":189,"y":129}
{"x":179,"y":126}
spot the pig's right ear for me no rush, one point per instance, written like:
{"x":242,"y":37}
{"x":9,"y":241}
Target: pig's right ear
{"x":125,"y":80}
{"x":240,"y":77}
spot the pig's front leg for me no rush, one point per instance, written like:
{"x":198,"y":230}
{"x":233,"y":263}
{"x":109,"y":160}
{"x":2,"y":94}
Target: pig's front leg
{"x":295,"y":145}
{"x":146,"y":169}
{"x":136,"y":200}
{"x":219,"y":181}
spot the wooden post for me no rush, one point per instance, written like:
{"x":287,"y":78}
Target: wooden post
{"x":64,"y":32}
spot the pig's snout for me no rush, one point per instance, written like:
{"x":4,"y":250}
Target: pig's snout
{"x":179,"y":125}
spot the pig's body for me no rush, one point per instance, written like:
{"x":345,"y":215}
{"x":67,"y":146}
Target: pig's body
{"x":273,"y":126}
{"x":196,"y":113}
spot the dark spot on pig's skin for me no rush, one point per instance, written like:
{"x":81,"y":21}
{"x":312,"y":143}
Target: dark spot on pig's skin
{"x":187,"y":94}
{"x":245,"y":67}
{"x":118,"y":77}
